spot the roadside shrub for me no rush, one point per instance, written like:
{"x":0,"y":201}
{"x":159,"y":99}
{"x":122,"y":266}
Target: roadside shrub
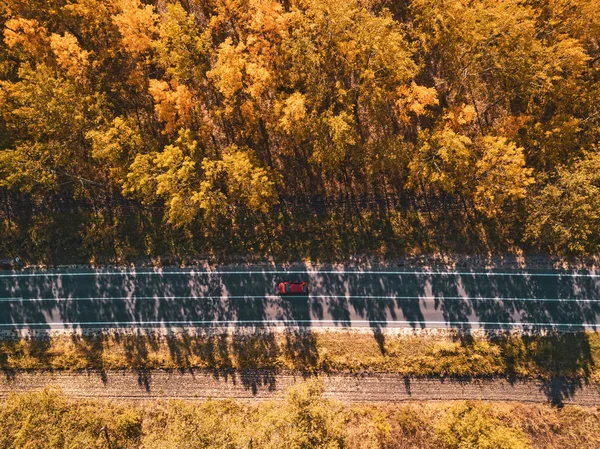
{"x":473,"y":425}
{"x":306,"y":421}
{"x":47,"y":420}
{"x":208,"y":425}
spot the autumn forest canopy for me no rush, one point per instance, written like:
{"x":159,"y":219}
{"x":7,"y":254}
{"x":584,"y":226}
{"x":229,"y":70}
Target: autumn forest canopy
{"x":298,"y":128}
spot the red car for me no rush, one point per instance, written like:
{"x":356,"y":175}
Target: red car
{"x":293,"y":287}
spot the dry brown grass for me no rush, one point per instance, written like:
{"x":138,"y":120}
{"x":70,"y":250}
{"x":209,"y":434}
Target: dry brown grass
{"x":565,"y":355}
{"x":304,"y":419}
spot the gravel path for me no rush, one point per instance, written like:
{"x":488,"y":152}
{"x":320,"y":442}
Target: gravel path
{"x":260,"y":385}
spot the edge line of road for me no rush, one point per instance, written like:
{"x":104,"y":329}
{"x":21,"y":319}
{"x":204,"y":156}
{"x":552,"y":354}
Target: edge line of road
{"x":340,"y":323}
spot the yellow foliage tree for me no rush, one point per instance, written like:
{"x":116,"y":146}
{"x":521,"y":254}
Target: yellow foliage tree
{"x":137,"y":23}
{"x":501,"y":175}
{"x":235,"y":180}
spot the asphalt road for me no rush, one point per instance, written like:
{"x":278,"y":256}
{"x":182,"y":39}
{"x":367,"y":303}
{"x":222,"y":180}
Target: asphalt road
{"x":377,"y":299}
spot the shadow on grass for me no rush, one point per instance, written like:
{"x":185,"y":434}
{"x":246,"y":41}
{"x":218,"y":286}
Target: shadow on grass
{"x":252,"y":358}
{"x":564,"y":362}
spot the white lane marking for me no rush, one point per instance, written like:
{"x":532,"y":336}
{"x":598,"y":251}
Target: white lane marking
{"x":293,"y":272}
{"x":293,"y":322}
{"x":120,"y":298}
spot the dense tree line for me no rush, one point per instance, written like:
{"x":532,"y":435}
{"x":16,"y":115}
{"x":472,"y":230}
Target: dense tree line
{"x":446,"y":124}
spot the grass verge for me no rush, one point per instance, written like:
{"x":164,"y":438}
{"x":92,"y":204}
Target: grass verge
{"x":449,"y":354}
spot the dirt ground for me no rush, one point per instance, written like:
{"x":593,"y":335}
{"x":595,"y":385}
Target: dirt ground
{"x":265,"y":384}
